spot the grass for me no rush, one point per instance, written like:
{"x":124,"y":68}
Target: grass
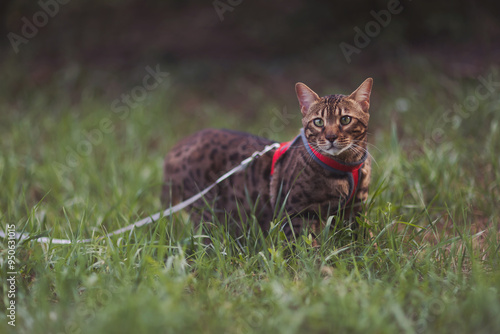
{"x":427,"y":266}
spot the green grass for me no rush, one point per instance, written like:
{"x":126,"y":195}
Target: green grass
{"x":424,"y":268}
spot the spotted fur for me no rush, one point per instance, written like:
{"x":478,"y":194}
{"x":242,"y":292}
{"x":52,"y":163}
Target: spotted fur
{"x":312,"y":192}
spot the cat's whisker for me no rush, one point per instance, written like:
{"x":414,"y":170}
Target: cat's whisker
{"x":355,"y":151}
{"x":366,"y":150}
{"x":368,"y":144}
{"x":363,"y":150}
{"x":358,"y":146}
{"x":358,"y":149}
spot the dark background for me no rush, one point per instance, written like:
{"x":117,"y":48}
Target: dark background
{"x":103,"y":46}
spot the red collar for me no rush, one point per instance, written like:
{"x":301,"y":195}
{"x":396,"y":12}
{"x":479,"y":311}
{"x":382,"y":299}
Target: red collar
{"x":330,"y":164}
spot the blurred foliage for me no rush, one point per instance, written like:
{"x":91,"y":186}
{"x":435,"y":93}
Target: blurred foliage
{"x":102,"y":47}
{"x":267,"y":28}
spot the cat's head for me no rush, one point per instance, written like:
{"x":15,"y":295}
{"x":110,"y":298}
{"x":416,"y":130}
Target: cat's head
{"x":336,"y":125}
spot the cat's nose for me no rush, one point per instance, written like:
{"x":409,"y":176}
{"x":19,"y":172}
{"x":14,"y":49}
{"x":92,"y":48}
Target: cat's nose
{"x":331,"y":137}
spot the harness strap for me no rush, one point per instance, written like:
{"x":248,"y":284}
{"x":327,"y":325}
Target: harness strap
{"x":280,"y":151}
{"x":349,"y":170}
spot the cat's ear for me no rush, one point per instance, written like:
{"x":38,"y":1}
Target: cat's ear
{"x":362,"y":94}
{"x":306,"y":97}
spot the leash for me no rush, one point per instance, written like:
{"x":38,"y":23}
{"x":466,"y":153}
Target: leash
{"x":156,"y":216}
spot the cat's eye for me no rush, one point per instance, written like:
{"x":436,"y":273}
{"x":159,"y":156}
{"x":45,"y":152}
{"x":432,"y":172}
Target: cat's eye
{"x":319,"y":122}
{"x":345,"y":120}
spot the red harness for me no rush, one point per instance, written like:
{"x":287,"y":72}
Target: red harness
{"x":352,"y":171}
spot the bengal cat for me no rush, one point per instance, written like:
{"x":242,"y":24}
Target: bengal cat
{"x":325,"y":170}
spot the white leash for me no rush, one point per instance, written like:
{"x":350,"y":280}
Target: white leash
{"x":156,"y":216}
